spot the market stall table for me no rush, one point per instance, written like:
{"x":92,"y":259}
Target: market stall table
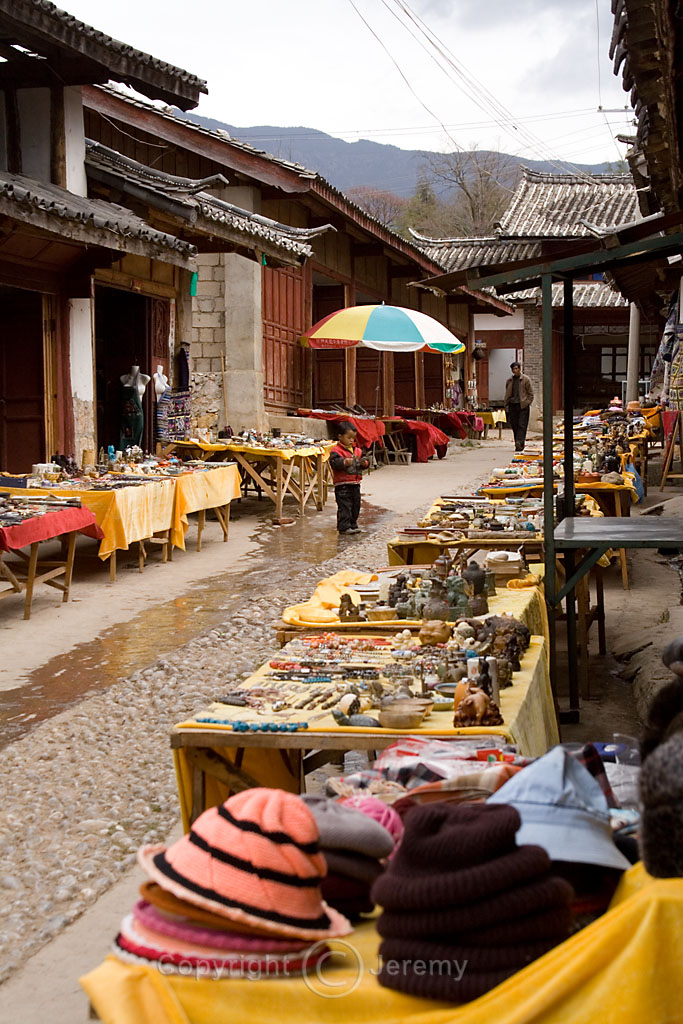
{"x":208,"y":489}
{"x":406,"y":549}
{"x":624,"y":967}
{"x":211,"y":760}
{"x":369,"y":430}
{"x":493,"y":418}
{"x":276,"y":472}
{"x":318,"y":615}
{"x":63,"y":523}
{"x":126,"y":515}
{"x":429,"y":440}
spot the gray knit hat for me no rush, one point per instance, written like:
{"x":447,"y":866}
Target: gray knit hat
{"x":661,"y":823}
{"x":342,"y":828}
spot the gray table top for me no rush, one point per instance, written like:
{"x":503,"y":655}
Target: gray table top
{"x":633,"y":532}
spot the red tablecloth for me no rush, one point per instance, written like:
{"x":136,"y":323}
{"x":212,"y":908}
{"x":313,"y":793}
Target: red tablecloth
{"x":472,"y":420}
{"x":430,"y":440}
{"x":52,"y":524}
{"x":369,"y":431}
{"x":450,"y":422}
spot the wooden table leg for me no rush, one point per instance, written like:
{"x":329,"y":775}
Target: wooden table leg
{"x":600,"y":606}
{"x":201,"y":520}
{"x":486,"y":431}
{"x":142,"y":554}
{"x":583,"y":604}
{"x":278,"y":488}
{"x":30,"y":579}
{"x":301,"y":460}
{"x":320,"y":483}
{"x":112,"y":567}
{"x":69,"y":567}
{"x":500,"y":430}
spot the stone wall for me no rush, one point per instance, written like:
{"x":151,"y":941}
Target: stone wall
{"x":533,"y":361}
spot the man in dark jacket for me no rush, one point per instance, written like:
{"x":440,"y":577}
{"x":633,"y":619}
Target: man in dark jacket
{"x":519,"y":395}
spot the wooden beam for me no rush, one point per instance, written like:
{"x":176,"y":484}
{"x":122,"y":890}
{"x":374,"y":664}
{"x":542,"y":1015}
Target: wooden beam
{"x":187,"y":136}
{"x":401,"y":270}
{"x":366,"y":250}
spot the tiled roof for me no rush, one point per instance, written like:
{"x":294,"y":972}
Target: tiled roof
{"x":29,"y":196}
{"x":314,"y":180}
{"x":190,"y":193}
{"x":39,"y":24}
{"x":590,"y":295}
{"x":461,"y":253}
{"x":552,"y":205}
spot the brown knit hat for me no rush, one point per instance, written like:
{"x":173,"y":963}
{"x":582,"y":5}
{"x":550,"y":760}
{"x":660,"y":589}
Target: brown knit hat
{"x":465,"y":908}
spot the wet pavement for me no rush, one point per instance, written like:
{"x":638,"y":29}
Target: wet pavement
{"x":120,"y":650}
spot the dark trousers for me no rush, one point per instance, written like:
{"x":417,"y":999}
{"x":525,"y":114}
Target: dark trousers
{"x":518,"y":421}
{"x":348,"y":505}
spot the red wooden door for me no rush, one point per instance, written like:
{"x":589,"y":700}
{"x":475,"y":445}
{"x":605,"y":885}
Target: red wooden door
{"x":283,"y":323}
{"x":369,"y":391}
{"x":404,"y":379}
{"x":22,"y":401}
{"x":433,"y":378}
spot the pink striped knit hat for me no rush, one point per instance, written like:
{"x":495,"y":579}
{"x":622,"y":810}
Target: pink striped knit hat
{"x":254,"y":859}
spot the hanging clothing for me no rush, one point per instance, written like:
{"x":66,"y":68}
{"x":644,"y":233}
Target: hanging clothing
{"x":132,"y":419}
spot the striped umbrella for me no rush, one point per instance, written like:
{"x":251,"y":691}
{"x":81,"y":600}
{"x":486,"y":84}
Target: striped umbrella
{"x":384,"y":328}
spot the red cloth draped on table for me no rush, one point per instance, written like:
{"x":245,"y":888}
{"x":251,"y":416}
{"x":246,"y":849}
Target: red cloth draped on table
{"x":450,"y":422}
{"x":52,"y":524}
{"x":369,"y":431}
{"x":430,"y":440}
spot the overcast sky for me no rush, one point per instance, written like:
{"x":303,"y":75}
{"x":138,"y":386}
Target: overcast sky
{"x":316,"y":63}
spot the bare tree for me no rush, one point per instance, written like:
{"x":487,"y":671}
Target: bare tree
{"x":384,"y":205}
{"x":482,"y":181}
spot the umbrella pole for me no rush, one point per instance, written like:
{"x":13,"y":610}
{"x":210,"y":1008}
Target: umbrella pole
{"x":379,"y":382}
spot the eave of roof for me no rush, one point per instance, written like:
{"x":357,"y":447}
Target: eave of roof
{"x":89,"y":221}
{"x":60,"y":38}
{"x":209,"y":214}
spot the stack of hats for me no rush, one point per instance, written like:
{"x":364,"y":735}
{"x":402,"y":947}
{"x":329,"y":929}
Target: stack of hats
{"x":241,"y":892}
{"x":354,"y":845}
{"x":464,"y":906}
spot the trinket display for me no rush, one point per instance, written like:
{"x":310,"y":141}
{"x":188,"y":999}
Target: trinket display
{"x":476,"y":708}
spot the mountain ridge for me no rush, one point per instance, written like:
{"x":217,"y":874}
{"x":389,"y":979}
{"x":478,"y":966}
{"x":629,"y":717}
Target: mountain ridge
{"x":363,"y":163}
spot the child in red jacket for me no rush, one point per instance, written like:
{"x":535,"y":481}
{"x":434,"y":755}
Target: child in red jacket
{"x":347,"y":463}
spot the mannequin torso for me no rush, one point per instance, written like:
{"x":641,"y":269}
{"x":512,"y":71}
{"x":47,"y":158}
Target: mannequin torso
{"x":135,"y":379}
{"x":160,"y":382}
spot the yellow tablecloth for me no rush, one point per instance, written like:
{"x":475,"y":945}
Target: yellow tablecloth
{"x":625,"y":968}
{"x":259,"y":450}
{"x":526,"y":706}
{"x":492,"y":417}
{"x":322,"y":608}
{"x":211,"y":488}
{"x":126,"y":514}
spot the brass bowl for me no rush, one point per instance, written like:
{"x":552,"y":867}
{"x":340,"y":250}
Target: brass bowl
{"x":401,"y":718}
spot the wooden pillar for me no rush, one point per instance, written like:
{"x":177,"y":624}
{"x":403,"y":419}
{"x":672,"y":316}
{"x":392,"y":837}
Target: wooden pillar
{"x":350,"y":391}
{"x":388,"y":403}
{"x":308,"y":322}
{"x":419,"y":380}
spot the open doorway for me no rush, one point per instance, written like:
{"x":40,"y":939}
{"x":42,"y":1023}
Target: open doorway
{"x":123,"y":339}
{"x":22,"y":380}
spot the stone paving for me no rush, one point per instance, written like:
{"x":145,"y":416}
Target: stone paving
{"x":83,"y":790}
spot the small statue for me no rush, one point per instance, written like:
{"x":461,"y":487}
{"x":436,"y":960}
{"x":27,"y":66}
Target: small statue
{"x":476,"y":709}
{"x":483,"y":678}
{"x":434,"y":631}
{"x":397,"y":590}
{"x":460,"y":607}
{"x":489,"y":583}
{"x":441,"y":567}
{"x":421,"y":597}
{"x":348,"y":612}
{"x":437,"y":606}
{"x":405,"y":608}
{"x":476,"y":577}
{"x":504,"y":673}
{"x":479,"y":604}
